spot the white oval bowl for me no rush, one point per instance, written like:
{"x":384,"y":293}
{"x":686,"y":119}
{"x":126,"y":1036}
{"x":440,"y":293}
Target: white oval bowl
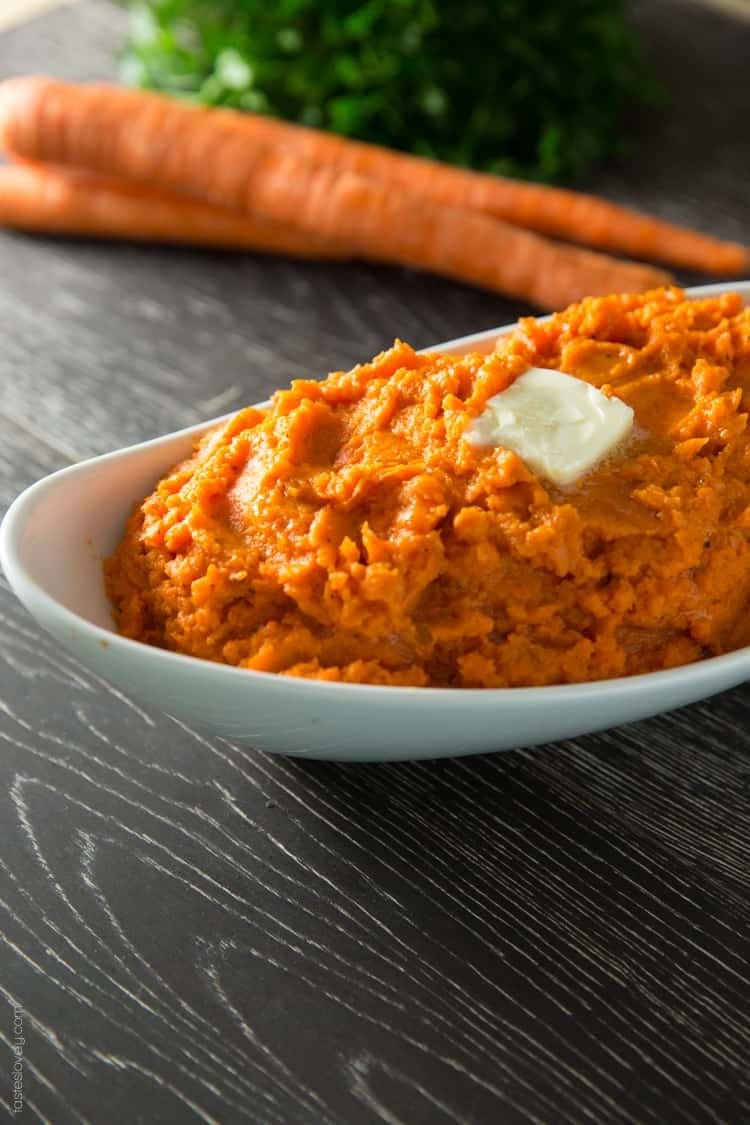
{"x":56,"y":534}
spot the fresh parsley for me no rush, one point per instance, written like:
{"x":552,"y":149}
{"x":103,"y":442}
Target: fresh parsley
{"x":532,"y":88}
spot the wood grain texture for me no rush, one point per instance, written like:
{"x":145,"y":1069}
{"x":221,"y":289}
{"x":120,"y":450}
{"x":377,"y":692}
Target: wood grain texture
{"x":199,"y":932}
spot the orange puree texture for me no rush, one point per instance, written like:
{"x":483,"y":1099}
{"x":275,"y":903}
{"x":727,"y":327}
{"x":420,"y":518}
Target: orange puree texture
{"x":350,"y":532}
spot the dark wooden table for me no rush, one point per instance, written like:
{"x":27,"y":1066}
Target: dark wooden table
{"x":193,"y":931}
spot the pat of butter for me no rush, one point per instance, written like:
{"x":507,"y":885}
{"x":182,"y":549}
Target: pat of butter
{"x":558,"y":425}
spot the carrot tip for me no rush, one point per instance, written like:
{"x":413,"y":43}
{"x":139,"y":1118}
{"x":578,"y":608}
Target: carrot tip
{"x":16,"y":96}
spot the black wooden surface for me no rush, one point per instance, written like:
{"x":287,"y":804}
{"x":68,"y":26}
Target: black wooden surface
{"x":198,"y":932}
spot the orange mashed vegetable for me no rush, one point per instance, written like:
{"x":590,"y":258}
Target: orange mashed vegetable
{"x":350,"y":532}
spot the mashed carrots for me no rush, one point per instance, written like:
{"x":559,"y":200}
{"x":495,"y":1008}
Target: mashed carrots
{"x":350,"y":532}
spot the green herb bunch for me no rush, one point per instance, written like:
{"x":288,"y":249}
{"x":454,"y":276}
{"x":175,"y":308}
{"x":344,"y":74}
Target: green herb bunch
{"x":532,"y":88}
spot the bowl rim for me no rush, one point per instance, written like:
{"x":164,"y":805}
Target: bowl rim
{"x":31,"y":593}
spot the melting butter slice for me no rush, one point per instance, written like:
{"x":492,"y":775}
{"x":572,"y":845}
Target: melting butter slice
{"x":558,"y":425}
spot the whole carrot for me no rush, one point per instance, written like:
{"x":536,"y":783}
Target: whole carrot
{"x":159,"y":141}
{"x":557,"y":212}
{"x":68,"y":201}
{"x":548,"y":210}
